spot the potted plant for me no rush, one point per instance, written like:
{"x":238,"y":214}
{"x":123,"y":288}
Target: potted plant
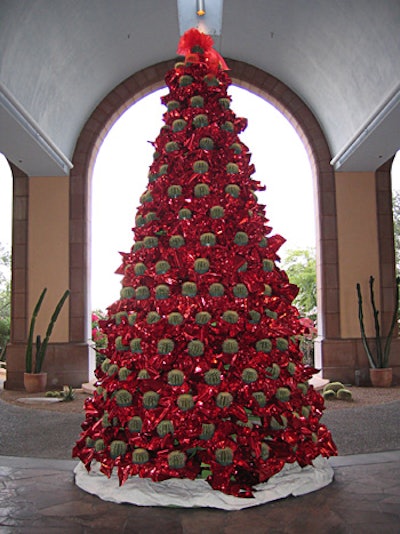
{"x":34,"y":379}
{"x":380,"y":373}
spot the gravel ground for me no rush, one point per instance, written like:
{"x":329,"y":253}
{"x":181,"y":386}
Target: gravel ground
{"x":370,"y":423}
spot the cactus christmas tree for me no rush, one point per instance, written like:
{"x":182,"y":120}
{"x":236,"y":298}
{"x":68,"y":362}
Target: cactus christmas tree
{"x":202,"y":376}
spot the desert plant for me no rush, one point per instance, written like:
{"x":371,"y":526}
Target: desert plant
{"x":67,"y":394}
{"x":334,"y":386}
{"x":344,"y":394}
{"x":336,"y":390}
{"x":35,"y":364}
{"x":381,"y":358}
{"x":329,"y":394}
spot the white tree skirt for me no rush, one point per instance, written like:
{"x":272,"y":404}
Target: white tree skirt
{"x":291,"y":480}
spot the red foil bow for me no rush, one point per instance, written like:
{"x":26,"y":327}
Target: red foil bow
{"x":192,"y":39}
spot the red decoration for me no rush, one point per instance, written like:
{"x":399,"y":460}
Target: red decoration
{"x":215,"y":377}
{"x":191,"y":41}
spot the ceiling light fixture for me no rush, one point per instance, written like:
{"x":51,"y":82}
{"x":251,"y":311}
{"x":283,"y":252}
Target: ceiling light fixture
{"x":200,"y":8}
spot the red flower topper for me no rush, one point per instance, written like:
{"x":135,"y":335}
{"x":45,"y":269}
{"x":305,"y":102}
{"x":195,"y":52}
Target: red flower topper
{"x":193,"y":42}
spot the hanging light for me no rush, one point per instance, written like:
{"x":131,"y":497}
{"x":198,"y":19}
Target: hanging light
{"x":200,"y":8}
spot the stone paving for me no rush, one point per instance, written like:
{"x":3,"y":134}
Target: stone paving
{"x":39,"y":496}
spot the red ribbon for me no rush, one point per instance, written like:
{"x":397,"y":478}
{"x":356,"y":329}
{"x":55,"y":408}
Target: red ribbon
{"x":194,"y":38}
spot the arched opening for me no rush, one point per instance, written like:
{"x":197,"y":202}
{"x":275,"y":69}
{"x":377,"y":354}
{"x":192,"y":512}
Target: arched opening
{"x":261,"y":84}
{"x":120,"y":177}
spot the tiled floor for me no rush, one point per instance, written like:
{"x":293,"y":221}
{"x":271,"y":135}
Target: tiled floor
{"x":39,"y":496}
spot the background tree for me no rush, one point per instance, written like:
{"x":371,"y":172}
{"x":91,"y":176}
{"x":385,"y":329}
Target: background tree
{"x":300,"y":266}
{"x":396,"y":228}
{"x":5,"y":298}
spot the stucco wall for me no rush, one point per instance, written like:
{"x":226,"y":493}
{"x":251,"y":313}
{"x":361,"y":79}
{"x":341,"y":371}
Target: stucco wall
{"x":357,"y":246}
{"x":48,"y":255}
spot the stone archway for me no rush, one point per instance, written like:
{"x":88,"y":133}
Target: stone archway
{"x":263,"y":85}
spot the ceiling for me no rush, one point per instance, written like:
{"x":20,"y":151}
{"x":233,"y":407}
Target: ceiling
{"x":60,"y":59}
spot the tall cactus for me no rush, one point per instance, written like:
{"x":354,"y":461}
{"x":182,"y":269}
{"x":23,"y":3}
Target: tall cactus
{"x":381,"y":358}
{"x":28,"y":353}
{"x":41,"y":346}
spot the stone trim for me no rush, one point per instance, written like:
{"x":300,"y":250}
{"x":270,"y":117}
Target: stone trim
{"x":387,"y":261}
{"x":19,"y":268}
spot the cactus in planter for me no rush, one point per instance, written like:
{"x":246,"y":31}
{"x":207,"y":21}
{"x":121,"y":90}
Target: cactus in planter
{"x":381,"y":359}
{"x":34,"y":365}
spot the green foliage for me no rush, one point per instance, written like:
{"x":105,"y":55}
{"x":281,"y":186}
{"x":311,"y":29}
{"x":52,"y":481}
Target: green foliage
{"x":396,"y":227}
{"x":5,"y":298}
{"x":99,"y":339}
{"x":300,"y":266}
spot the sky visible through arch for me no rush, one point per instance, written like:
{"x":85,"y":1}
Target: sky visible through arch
{"x":120,"y":177}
